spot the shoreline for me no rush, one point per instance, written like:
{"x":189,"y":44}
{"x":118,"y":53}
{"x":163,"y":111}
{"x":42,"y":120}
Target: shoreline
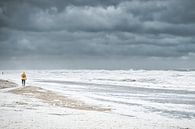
{"x":33,"y":107}
{"x":53,"y":98}
{"x":49,"y":97}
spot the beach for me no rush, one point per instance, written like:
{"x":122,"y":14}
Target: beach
{"x":72,"y":100}
{"x":32,"y":107}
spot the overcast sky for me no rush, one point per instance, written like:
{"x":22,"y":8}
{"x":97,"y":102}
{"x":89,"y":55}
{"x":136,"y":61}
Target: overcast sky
{"x":97,"y":34}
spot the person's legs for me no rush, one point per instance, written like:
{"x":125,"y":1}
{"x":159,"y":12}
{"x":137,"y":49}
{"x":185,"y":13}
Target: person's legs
{"x":24,"y":82}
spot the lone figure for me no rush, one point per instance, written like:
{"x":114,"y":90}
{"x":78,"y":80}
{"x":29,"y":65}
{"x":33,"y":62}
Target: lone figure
{"x":23,"y":76}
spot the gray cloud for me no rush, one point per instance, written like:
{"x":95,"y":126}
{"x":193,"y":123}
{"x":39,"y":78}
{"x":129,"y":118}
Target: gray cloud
{"x":98,"y":30}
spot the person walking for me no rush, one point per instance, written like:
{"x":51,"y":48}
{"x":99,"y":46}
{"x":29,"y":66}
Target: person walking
{"x":23,"y":76}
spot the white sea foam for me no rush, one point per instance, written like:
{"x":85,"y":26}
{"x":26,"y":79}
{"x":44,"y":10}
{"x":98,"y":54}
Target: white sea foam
{"x":150,"y":95}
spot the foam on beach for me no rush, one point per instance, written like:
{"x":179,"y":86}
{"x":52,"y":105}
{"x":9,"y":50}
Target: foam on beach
{"x":81,"y":99}
{"x":55,"y":99}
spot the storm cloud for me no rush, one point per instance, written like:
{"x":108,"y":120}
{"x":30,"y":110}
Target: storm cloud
{"x":110,"y":34}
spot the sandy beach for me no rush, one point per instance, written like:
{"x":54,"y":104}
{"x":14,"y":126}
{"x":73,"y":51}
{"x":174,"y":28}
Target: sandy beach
{"x":97,"y":100}
{"x":33,"y":107}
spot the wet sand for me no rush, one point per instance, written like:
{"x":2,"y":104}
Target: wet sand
{"x":6,"y":84}
{"x":55,"y":99}
{"x":49,"y":97}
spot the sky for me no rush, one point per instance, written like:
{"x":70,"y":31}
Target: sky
{"x":97,"y":34}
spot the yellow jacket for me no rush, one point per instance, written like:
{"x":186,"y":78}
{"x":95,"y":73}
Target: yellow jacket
{"x":23,"y":76}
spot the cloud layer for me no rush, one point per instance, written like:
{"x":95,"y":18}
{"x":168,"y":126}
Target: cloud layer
{"x":79,"y":33}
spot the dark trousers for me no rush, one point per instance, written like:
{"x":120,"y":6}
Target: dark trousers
{"x":23,"y":82}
